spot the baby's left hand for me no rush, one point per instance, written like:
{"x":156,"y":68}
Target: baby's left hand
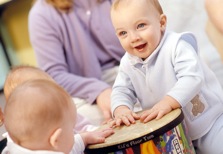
{"x":160,"y":109}
{"x":157,"y":112}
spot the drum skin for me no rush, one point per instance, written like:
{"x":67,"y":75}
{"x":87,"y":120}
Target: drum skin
{"x":168,"y":135}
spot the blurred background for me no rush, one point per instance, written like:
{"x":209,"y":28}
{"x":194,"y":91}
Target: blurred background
{"x":15,"y":47}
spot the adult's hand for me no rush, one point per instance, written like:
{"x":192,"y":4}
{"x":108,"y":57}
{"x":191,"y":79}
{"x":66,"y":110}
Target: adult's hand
{"x":104,"y":103}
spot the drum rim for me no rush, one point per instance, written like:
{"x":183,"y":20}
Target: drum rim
{"x":112,"y":148}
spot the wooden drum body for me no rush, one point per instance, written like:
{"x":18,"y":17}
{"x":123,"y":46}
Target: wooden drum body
{"x":168,"y":135}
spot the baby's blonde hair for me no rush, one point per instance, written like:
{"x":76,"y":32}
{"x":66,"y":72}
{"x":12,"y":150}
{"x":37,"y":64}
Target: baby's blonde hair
{"x":20,"y":74}
{"x":155,"y":3}
{"x":35,"y":109}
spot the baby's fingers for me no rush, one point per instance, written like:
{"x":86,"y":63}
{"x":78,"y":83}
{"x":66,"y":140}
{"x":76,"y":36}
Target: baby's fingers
{"x":127,"y":120}
{"x":118,"y":121}
{"x":160,"y":114}
{"x":135,"y":116}
{"x":111,"y":123}
{"x":107,"y":132}
{"x":102,"y":135}
{"x":148,"y":116}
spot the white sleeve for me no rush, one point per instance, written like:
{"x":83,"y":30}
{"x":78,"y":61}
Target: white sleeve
{"x":79,"y":145}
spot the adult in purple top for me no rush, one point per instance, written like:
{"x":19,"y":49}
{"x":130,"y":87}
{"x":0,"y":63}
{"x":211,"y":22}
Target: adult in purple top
{"x":77,"y":46}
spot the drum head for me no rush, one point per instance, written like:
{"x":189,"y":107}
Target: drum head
{"x":137,"y":133}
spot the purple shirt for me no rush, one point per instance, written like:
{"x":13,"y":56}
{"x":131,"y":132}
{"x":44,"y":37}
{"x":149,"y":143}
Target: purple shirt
{"x":75,"y":47}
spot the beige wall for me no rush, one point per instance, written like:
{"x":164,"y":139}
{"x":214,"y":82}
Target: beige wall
{"x":15,"y":19}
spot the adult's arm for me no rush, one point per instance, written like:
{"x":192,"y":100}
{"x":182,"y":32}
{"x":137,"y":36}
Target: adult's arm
{"x":215,"y":11}
{"x":47,"y":40}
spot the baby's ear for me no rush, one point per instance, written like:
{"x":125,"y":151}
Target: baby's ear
{"x":163,"y":21}
{"x":54,"y":138}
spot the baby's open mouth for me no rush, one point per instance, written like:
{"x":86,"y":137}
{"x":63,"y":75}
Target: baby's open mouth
{"x":140,"y":47}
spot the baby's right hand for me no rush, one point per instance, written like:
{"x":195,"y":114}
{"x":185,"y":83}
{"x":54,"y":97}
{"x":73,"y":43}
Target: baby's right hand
{"x":124,"y":115}
{"x":97,"y":136}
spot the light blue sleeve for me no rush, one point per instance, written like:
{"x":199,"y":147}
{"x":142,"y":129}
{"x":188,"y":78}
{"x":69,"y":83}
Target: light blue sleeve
{"x":123,"y":92}
{"x":189,"y":73}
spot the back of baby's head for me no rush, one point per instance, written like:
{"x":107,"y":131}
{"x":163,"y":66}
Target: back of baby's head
{"x":20,"y":74}
{"x":34,"y":110}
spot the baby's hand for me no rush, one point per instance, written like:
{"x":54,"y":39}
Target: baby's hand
{"x":98,"y":136}
{"x":124,"y":115}
{"x":160,"y":109}
{"x":153,"y":113}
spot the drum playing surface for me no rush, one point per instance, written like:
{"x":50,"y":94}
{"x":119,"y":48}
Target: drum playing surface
{"x":154,"y":134}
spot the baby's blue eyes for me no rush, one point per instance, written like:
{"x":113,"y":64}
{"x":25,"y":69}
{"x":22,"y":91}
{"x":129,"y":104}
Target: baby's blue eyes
{"x":122,"y":33}
{"x":141,"y":25}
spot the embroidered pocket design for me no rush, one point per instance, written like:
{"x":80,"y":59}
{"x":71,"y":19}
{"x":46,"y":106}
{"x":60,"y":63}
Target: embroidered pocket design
{"x":198,"y":106}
